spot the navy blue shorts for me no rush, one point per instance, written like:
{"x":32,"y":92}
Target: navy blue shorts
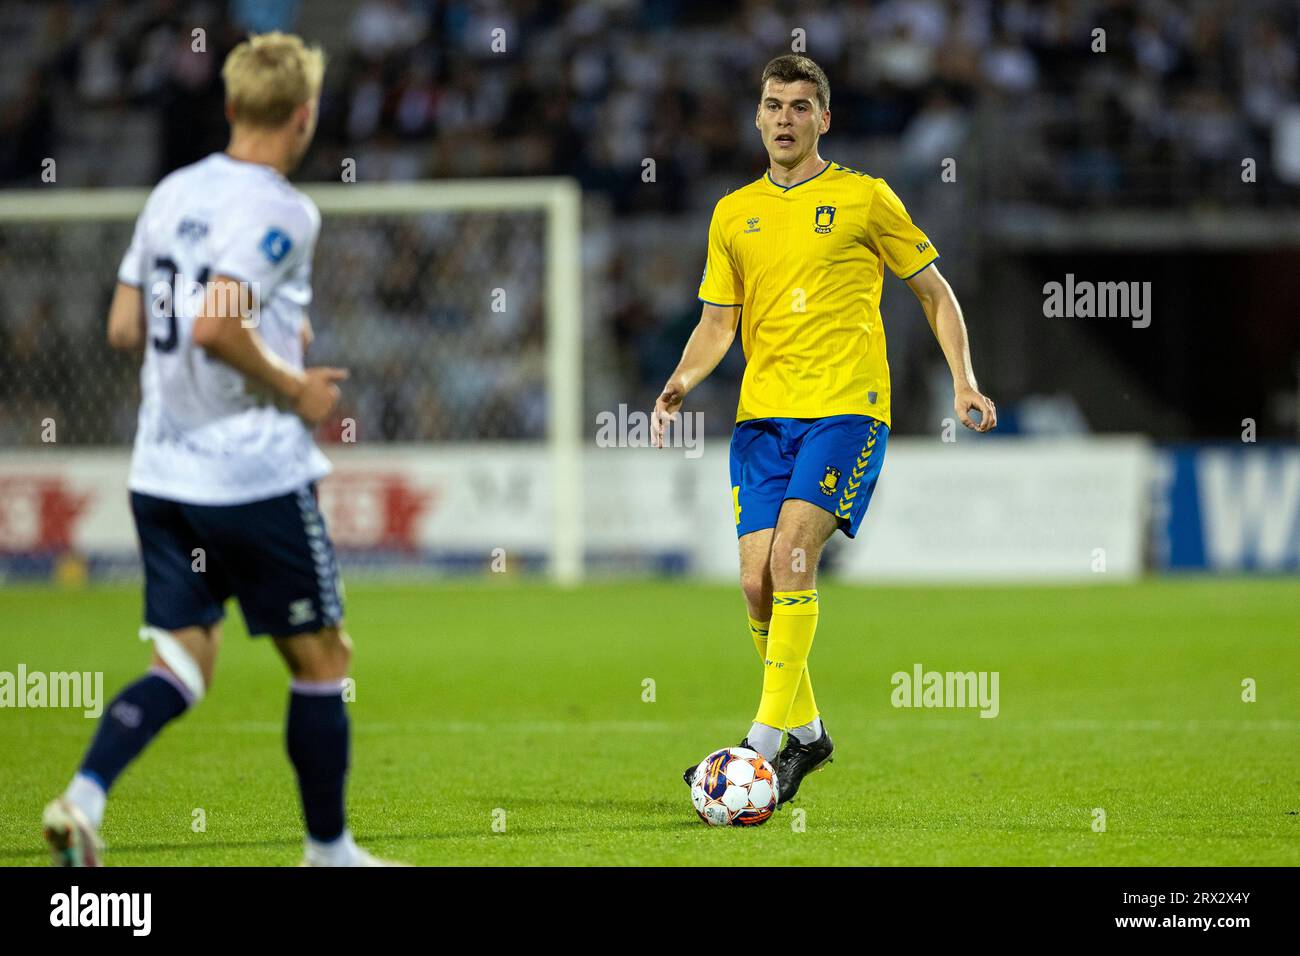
{"x":832,"y":462}
{"x":274,"y":556}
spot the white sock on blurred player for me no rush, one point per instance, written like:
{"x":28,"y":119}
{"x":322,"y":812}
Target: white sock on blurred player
{"x":339,"y":852}
{"x":89,"y":797}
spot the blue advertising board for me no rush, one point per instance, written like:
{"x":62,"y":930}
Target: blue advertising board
{"x":1228,"y":508}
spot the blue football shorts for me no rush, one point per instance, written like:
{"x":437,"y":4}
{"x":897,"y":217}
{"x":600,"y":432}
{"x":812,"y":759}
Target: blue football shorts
{"x":832,"y":462}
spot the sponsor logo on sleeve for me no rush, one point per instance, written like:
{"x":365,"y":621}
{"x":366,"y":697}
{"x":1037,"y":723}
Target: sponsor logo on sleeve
{"x":276,"y":245}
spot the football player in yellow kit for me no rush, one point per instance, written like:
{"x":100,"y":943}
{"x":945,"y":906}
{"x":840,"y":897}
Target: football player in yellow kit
{"x":797,"y":260}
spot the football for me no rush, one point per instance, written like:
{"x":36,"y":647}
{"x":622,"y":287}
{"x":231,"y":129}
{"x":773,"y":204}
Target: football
{"x":734,"y":787}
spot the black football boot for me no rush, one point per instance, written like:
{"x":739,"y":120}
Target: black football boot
{"x":798,"y":760}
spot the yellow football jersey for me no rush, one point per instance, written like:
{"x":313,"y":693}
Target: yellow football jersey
{"x":806,"y":264}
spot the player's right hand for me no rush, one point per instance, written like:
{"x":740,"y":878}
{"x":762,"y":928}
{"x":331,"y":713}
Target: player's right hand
{"x":318,"y":395}
{"x":666,"y":409}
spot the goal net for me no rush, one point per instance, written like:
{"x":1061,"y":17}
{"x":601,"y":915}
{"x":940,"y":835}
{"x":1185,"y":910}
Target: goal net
{"x":455,"y":306}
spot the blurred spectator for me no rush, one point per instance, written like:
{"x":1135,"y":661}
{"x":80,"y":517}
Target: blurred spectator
{"x":650,"y":107}
{"x":264,"y":16}
{"x":383,"y":27}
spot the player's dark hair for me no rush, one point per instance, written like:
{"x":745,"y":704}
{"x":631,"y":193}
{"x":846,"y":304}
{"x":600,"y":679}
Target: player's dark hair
{"x":791,"y":68}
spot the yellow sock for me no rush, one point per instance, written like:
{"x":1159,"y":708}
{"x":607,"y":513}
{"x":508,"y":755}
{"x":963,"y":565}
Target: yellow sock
{"x":804,"y":710}
{"x":758,"y":631}
{"x":789,"y":639}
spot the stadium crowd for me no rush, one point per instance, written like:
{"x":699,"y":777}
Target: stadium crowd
{"x":118,"y":94}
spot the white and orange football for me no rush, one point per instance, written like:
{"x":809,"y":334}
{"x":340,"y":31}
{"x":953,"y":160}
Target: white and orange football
{"x":734,"y":787}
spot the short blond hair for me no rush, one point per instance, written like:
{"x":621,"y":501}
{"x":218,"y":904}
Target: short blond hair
{"x":270,"y":75}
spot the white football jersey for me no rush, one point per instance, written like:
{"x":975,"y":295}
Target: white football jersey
{"x":206,"y":435}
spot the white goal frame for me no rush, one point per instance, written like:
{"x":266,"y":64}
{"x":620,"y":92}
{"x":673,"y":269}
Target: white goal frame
{"x":560,"y":199}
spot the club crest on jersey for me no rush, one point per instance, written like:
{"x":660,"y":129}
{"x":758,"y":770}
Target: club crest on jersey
{"x":275,"y":245}
{"x":825,"y":218}
{"x":830,"y":481}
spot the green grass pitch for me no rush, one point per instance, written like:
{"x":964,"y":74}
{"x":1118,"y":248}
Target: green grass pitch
{"x":518,"y":697}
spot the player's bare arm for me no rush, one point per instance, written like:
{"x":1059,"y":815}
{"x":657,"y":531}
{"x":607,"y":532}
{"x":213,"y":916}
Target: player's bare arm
{"x":126,"y":318}
{"x":220,"y":331}
{"x":945,"y":318}
{"x":306,"y":335}
{"x":706,"y":347}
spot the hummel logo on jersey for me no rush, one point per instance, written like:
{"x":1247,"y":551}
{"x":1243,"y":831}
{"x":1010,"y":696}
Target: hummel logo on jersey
{"x":301,"y":611}
{"x":752,"y":225}
{"x":276,"y":245}
{"x":825,"y":218}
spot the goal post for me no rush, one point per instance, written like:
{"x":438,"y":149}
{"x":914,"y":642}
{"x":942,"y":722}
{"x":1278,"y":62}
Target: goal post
{"x":558,"y":200}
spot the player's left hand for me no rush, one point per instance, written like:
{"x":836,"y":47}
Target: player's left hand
{"x":307,"y":334}
{"x":970,"y":398}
